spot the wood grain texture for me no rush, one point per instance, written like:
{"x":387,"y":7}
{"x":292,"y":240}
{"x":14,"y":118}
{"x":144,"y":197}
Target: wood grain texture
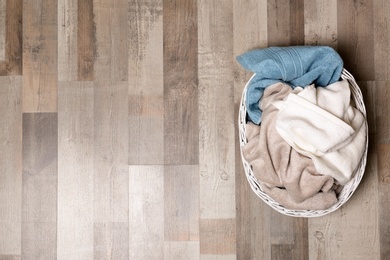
{"x":384,"y":219}
{"x":181,"y":250}
{"x":253,"y":217}
{"x":3,"y":28}
{"x":250,"y":26}
{"x":297,"y":28}
{"x":383,"y":163}
{"x":10,"y":165}
{"x":111,"y":240}
{"x":356,"y":37}
{"x":218,"y":257}
{"x":320,"y":22}
{"x":278,"y":23}
{"x":39,"y":208}
{"x":382,"y":139}
{"x":181,"y":203}
{"x":12,"y":48}
{"x":67,"y":39}
{"x":289,"y":237}
{"x":368,"y":89}
{"x":285,"y":22}
{"x":146,"y":129}
{"x":75,"y":170}
{"x":217,"y":236}
{"x":111,"y":174}
{"x":146,"y":104}
{"x":350,"y":232}
{"x":40,"y":56}
{"x":86,"y":40}
{"x":216,"y":121}
{"x":146,"y":212}
{"x":381,"y":20}
{"x":111,"y":57}
{"x":382,"y":110}
{"x":39,"y":240}
{"x":250,"y":23}
{"x":10,"y":257}
{"x":181,"y":139}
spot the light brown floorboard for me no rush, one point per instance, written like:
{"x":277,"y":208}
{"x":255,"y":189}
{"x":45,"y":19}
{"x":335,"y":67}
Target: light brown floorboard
{"x":10,"y":165}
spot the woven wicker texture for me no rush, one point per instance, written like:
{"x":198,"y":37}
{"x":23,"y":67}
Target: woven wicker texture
{"x":348,"y":189}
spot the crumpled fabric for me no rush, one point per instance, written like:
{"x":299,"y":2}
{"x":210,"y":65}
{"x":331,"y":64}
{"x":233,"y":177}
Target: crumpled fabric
{"x":285,"y":175}
{"x":294,"y":65}
{"x":321,"y":124}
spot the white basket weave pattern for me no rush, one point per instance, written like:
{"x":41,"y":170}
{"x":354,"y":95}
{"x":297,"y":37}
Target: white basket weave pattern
{"x":348,"y":189}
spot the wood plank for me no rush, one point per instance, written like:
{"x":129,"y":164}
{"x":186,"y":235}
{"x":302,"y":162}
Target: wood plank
{"x":250,"y":24}
{"x":381,"y":9}
{"x":146,"y":218}
{"x":111,"y":25}
{"x":75,"y":170}
{"x":285,"y":22}
{"x":297,"y":22}
{"x":350,"y":232}
{"x":181,"y":139}
{"x":146,"y":105}
{"x":281,"y":229}
{"x":111,"y":175}
{"x":10,"y":165}
{"x":39,"y":207}
{"x":111,"y":240}
{"x":10,"y":257}
{"x":12,"y":65}
{"x":181,"y":202}
{"x":252,"y":215}
{"x":291,"y":240}
{"x":146,"y":129}
{"x":86,"y":40}
{"x":250,"y":31}
{"x":382,"y":140}
{"x":384,"y":218}
{"x":218,"y":257}
{"x":252,"y":219}
{"x":320,"y":22}
{"x":216,"y":115}
{"x":3,"y":28}
{"x":67,"y":39}
{"x":181,"y":250}
{"x":382,"y":112}
{"x":40,"y":56}
{"x":278,"y":23}
{"x":217,"y":236}
{"x":355,"y":37}
{"x":368,"y":89}
{"x":39,"y":240}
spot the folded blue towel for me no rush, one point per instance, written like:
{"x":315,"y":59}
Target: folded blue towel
{"x":294,"y":65}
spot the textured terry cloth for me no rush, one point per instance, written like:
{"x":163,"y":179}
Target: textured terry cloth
{"x":321,"y":123}
{"x":295,"y":65}
{"x":285,"y":175}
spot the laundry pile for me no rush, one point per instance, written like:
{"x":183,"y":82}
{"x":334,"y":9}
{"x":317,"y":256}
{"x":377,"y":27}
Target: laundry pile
{"x":305,"y":138}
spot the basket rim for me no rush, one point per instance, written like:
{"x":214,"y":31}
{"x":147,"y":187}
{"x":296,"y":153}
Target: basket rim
{"x":348,"y":189}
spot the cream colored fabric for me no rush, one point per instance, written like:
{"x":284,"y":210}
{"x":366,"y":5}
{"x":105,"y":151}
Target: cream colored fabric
{"x":321,"y":123}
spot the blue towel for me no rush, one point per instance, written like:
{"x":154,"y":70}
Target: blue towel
{"x":295,"y":65}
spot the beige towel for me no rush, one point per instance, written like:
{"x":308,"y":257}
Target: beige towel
{"x":285,"y":175}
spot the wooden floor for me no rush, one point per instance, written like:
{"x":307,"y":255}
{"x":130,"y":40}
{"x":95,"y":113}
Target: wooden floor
{"x":118,"y":133}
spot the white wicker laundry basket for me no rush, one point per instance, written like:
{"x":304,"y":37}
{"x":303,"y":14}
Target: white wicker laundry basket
{"x":348,"y":189}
